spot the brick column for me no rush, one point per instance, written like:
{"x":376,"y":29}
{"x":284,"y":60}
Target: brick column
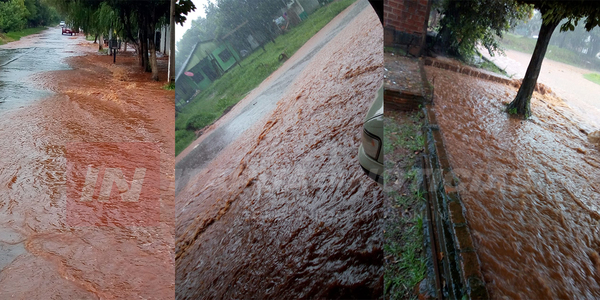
{"x":405,"y":24}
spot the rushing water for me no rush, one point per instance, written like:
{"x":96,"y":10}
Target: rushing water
{"x":530,"y":188}
{"x":285,"y":211}
{"x":44,"y":256}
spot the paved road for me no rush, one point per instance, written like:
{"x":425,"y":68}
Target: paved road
{"x":205,"y":151}
{"x":19,"y":60}
{"x":60,"y":114}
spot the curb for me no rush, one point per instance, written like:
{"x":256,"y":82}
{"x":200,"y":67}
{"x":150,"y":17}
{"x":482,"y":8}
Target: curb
{"x":457,"y":268}
{"x":467,"y":71}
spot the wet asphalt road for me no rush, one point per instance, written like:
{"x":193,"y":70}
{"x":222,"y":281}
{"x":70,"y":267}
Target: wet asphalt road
{"x":263,"y":103}
{"x":19,"y":62}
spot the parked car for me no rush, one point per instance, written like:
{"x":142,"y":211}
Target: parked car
{"x":62,"y":24}
{"x":66,"y":30}
{"x":370,"y":152}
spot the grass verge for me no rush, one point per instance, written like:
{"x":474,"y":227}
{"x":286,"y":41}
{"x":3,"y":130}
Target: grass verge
{"x":526,"y":45}
{"x":405,"y":258}
{"x":17,"y":35}
{"x":169,"y":86}
{"x":490,"y":66}
{"x":228,"y":90}
{"x":593,"y":77}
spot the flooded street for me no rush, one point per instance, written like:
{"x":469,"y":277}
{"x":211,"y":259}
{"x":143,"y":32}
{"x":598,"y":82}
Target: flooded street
{"x":285,"y":211}
{"x":529,"y":188}
{"x":66,"y":106}
{"x":19,"y":60}
{"x":565,"y":80}
{"x":258,"y":103}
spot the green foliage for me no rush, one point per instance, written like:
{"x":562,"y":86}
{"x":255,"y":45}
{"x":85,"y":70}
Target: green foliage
{"x":13,"y":15}
{"x":200,"y":120}
{"x":468,"y":23}
{"x":183,"y":138}
{"x":17,"y":35}
{"x":169,"y":86}
{"x":16,"y":15}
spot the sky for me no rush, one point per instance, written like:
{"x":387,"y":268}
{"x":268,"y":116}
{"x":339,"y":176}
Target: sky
{"x":199,"y":12}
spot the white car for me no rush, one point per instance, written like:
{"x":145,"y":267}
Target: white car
{"x":370,"y":152}
{"x":62,"y":24}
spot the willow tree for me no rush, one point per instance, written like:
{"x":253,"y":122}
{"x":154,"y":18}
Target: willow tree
{"x":553,"y":12}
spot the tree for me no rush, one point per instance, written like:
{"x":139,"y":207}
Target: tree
{"x":12,"y":15}
{"x":135,"y":21}
{"x":553,"y":12}
{"x":467,"y":23}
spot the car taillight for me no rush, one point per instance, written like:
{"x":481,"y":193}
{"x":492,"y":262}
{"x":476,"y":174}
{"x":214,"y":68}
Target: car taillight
{"x":371,"y":144}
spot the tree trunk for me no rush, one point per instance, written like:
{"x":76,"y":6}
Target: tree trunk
{"x":521,"y":105}
{"x":145,"y":61}
{"x":171,"y":77}
{"x":100,"y":43}
{"x":152,"y":46}
{"x":140,"y":48}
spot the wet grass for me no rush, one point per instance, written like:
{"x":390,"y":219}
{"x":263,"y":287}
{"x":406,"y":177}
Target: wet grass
{"x":238,"y":82}
{"x":183,"y":138}
{"x":405,"y":258}
{"x":526,"y":45}
{"x":490,"y":66}
{"x":593,"y":77}
{"x":169,"y":86}
{"x":17,"y":35}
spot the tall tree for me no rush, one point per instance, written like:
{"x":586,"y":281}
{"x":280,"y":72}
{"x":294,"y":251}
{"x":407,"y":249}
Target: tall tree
{"x":553,"y":12}
{"x":136,"y":21}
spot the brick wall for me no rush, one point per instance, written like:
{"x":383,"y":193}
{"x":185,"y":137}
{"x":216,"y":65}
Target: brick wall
{"x":405,"y":23}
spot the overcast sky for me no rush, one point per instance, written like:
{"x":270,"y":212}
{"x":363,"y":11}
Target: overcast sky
{"x":199,"y":12}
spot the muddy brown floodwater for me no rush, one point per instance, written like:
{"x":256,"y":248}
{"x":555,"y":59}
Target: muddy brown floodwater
{"x":285,"y":211}
{"x":530,"y":188}
{"x":43,"y":256}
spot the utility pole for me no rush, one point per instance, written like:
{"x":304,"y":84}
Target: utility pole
{"x":171,"y":75}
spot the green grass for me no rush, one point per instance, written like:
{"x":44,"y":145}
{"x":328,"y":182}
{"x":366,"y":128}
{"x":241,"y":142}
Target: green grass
{"x":526,"y":45}
{"x":593,"y":77}
{"x":182,"y":139}
{"x":238,"y":82}
{"x":403,"y":246}
{"x":490,"y":66}
{"x":17,"y":35}
{"x":169,"y":86}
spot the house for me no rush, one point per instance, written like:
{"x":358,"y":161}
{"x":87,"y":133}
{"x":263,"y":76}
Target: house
{"x":208,"y":61}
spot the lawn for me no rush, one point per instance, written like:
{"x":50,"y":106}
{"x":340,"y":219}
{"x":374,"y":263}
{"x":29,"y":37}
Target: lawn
{"x":405,"y":258}
{"x":17,"y":35}
{"x":526,"y":45}
{"x":593,"y":77}
{"x":228,"y":90}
